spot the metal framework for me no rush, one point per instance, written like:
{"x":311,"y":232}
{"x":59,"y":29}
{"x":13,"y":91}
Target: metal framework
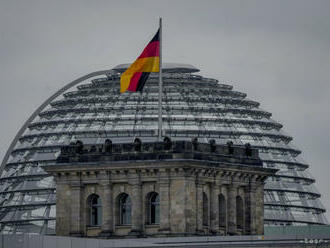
{"x":91,"y":109}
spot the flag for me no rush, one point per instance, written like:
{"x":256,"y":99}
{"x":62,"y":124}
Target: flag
{"x":134,"y":78}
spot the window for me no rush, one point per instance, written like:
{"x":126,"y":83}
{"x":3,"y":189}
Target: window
{"x":153,"y":208}
{"x":239,"y":212}
{"x":95,"y":210}
{"x":222,"y":211}
{"x":124,"y":209}
{"x":205,"y":210}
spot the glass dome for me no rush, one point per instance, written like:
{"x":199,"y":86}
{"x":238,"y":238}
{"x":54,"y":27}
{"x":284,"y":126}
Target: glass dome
{"x":91,"y":109}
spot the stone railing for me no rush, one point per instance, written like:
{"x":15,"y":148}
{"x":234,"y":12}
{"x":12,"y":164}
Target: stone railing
{"x":166,"y":150}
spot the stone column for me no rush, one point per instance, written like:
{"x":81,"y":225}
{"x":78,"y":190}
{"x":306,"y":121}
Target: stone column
{"x":178,"y":216}
{"x":164,"y":195}
{"x":231,"y":208}
{"x":223,"y":210}
{"x":189,"y":206}
{"x":199,"y":206}
{"x":107,"y":209}
{"x":137,"y":207}
{"x":259,"y":194}
{"x":62,"y":207}
{"x":77,"y":217}
{"x":250,"y":209}
{"x":214,"y":204}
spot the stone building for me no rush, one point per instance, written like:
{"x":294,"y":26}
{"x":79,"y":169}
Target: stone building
{"x":91,"y":109}
{"x":169,"y":188}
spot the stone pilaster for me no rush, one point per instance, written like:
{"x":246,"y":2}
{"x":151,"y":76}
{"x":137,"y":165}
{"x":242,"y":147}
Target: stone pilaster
{"x":107,"y":209}
{"x":62,"y":207}
{"x":222,"y":210}
{"x":199,"y":206}
{"x":250,"y":210}
{"x":190,"y":203}
{"x":214,"y":204}
{"x":259,"y":208}
{"x":77,"y":221}
{"x":137,"y":206}
{"x":165,"y":200}
{"x":178,"y":201}
{"x":231,"y":209}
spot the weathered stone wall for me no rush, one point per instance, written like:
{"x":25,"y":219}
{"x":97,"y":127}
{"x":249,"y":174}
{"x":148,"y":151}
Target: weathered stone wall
{"x":63,"y":209}
{"x":180,"y":186}
{"x":182,"y":173}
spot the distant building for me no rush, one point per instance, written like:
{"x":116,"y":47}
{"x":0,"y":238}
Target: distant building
{"x":91,"y":109}
{"x":159,"y":189}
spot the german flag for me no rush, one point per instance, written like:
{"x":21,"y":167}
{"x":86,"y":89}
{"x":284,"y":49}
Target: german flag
{"x":134,"y":78}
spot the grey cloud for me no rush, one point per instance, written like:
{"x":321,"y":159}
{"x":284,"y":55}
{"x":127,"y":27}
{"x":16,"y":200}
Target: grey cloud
{"x":276,"y":51}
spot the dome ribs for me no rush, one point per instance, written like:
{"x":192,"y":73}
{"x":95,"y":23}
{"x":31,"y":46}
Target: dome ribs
{"x":193,"y":106}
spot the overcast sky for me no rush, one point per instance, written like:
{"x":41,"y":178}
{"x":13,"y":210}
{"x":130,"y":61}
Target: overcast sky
{"x":278,"y":52}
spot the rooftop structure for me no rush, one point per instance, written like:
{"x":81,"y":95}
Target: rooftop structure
{"x":91,"y":109}
{"x":152,"y":189}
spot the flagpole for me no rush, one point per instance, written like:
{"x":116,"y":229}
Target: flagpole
{"x":160,"y":88}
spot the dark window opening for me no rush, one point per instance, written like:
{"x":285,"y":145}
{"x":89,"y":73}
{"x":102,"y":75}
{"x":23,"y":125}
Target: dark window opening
{"x":153,"y":208}
{"x":124,"y":209}
{"x":95,"y":206}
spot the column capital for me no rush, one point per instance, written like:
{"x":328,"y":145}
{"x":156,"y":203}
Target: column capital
{"x":164,"y":183}
{"x":75,"y":185}
{"x":105,"y":183}
{"x":135,"y":181}
{"x":200,"y":182}
{"x":234,"y":185}
{"x":252,"y":187}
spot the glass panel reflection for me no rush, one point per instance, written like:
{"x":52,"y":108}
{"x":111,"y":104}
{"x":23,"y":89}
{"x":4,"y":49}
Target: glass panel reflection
{"x":192,"y":106}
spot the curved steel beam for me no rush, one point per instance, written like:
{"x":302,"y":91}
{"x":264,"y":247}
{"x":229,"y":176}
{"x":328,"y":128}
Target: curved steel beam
{"x":42,"y":106}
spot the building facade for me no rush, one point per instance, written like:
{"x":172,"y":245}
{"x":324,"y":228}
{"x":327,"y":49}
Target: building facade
{"x":159,"y":189}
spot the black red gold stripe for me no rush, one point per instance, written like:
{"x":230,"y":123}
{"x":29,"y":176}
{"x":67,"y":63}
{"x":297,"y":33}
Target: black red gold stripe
{"x":134,"y":78}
